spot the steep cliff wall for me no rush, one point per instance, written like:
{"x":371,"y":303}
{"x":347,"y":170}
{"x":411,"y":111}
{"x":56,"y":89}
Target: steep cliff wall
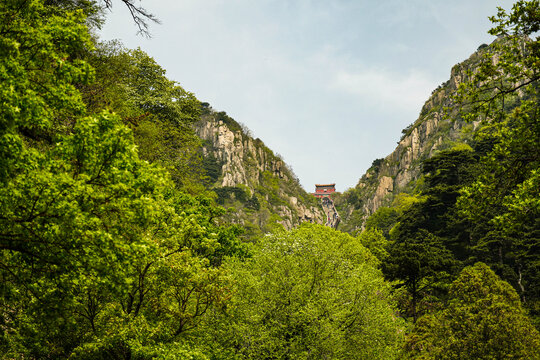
{"x":257,"y":185}
{"x":434,"y":130}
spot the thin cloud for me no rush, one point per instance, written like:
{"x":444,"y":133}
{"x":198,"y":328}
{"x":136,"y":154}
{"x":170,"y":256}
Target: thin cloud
{"x":383,"y":88}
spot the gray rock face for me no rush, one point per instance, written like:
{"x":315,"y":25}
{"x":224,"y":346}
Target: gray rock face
{"x":332,"y":216}
{"x":434,"y":130}
{"x":249,"y":164}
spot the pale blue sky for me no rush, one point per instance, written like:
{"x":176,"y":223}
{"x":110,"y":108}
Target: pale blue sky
{"x":328,"y":84}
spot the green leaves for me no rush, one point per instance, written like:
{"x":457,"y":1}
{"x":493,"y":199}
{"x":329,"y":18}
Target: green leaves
{"x":424,"y":266}
{"x":524,"y":19}
{"x":96,"y":246}
{"x":308,"y":294}
{"x":483,"y":320}
{"x":89,"y":235}
{"x":38,"y":72}
{"x":160,"y":112}
{"x":506,"y":241}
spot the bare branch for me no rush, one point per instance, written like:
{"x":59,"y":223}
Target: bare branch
{"x":140,"y":15}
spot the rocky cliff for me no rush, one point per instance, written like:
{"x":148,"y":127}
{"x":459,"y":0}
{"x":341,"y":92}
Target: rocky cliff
{"x":257,"y":186}
{"x":437,"y":128}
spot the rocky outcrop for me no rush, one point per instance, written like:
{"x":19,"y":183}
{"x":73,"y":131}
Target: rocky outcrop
{"x":434,"y":130}
{"x":255,"y":175}
{"x":235,"y":149}
{"x":332,"y":217}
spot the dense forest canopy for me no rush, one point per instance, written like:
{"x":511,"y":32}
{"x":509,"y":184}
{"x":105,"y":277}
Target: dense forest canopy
{"x":113,"y":244}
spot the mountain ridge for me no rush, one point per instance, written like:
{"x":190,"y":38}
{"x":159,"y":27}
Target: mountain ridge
{"x":436,"y":128}
{"x":257,"y":185}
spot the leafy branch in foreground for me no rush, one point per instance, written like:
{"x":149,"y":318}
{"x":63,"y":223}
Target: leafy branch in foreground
{"x":100,"y":255}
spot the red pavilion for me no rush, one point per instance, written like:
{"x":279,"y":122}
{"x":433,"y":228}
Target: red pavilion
{"x":324,"y":190}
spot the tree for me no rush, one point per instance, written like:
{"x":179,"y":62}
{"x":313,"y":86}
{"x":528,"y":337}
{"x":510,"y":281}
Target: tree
{"x":483,"y":320}
{"x":310,"y":293}
{"x":374,"y":240}
{"x":383,"y":219}
{"x":445,"y":174}
{"x":38,"y":73}
{"x":503,"y":92}
{"x":140,"y":15}
{"x":100,"y":255}
{"x":421,"y":264}
{"x":93,"y":9}
{"x":160,"y":112}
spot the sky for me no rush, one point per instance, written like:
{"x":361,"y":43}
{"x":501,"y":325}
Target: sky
{"x":327,"y":84}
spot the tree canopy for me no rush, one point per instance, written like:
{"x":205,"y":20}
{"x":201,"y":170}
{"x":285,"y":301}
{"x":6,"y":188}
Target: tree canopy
{"x":502,"y":204}
{"x":97,"y":249}
{"x":310,"y":293}
{"x":483,"y":320}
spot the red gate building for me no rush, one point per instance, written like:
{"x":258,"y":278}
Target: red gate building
{"x":324,"y":190}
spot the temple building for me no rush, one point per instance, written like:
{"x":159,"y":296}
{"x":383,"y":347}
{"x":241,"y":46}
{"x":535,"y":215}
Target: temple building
{"x":324,"y":190}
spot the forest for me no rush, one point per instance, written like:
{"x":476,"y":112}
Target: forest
{"x":113,"y":244}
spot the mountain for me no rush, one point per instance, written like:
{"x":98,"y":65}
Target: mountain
{"x":257,"y":186}
{"x":437,"y":128}
{"x":260,"y":189}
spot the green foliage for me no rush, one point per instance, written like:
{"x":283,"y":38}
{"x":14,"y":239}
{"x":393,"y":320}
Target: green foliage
{"x":310,"y":293}
{"x":232,"y":124}
{"x":93,"y":250}
{"x":350,"y":203}
{"x":403,"y":201}
{"x":231,"y":192}
{"x":37,"y":78}
{"x":352,"y":197}
{"x":408,"y":130}
{"x":448,"y":168}
{"x":383,"y":219}
{"x":483,"y":320}
{"x":375,"y":241}
{"x":376,"y":164}
{"x":482,"y":46}
{"x":523,"y":20}
{"x":351,"y":225}
{"x":100,"y":257}
{"x":429,"y":236}
{"x":253,"y":203}
{"x":505,"y":95}
{"x":503,"y":236}
{"x":160,"y":112}
{"x":269,"y":187}
{"x":445,"y":175}
{"x":422,"y":264}
{"x":212,"y":167}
